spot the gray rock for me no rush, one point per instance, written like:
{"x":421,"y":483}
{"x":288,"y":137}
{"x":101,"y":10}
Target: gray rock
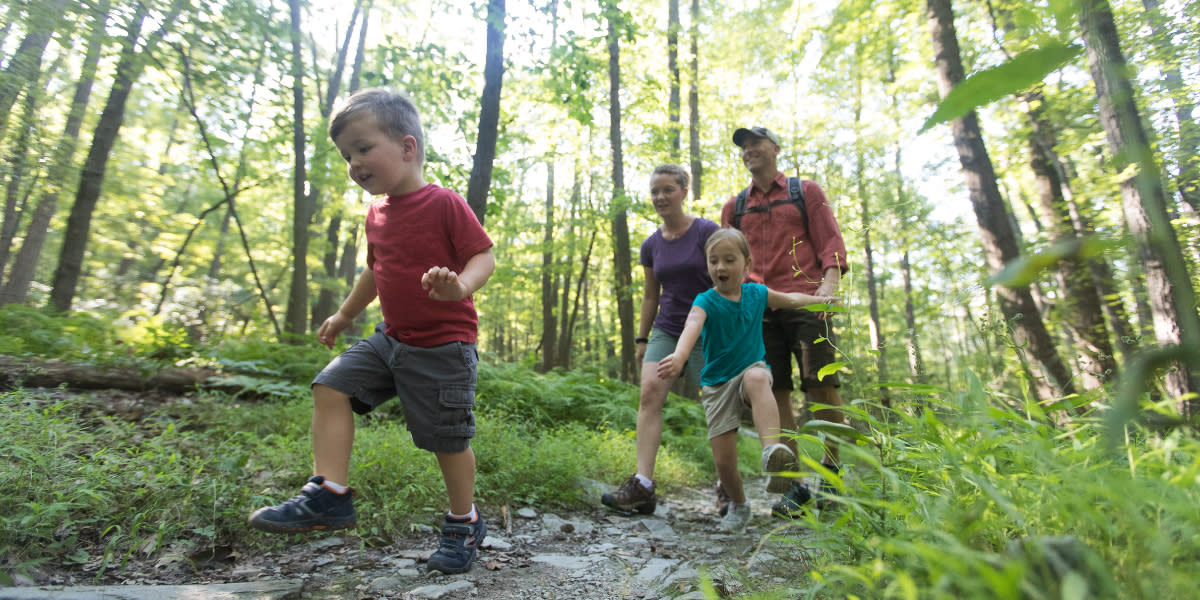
{"x":563,"y":561}
{"x":555,"y":523}
{"x":655,"y":570}
{"x":496,"y":543}
{"x":386,"y":584}
{"x":527,"y":513}
{"x":658,"y":529}
{"x":332,"y":542}
{"x":433,"y":592}
{"x":254,"y":590}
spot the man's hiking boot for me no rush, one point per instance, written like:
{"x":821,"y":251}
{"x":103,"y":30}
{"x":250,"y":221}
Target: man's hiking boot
{"x":827,"y":494}
{"x":735,"y":520}
{"x":776,"y":459}
{"x":460,"y":543}
{"x":723,"y":500}
{"x":315,"y":507}
{"x":792,"y":504}
{"x":631,"y":496}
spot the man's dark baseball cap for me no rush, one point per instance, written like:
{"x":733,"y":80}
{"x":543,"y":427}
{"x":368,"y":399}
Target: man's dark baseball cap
{"x":739,"y":136}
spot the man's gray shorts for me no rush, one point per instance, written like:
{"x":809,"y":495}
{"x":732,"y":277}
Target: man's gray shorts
{"x":436,"y":386}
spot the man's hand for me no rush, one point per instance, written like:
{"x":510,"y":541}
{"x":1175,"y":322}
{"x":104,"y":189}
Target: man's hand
{"x":443,"y":284}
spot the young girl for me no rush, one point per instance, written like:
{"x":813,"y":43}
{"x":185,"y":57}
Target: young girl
{"x":730,"y":317}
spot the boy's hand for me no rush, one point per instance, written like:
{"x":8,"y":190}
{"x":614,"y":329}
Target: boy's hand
{"x":443,"y":284}
{"x":330,"y":329}
{"x":667,"y":367}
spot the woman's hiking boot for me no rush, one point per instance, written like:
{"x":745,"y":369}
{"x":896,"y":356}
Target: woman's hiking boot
{"x":315,"y":507}
{"x":631,"y":496}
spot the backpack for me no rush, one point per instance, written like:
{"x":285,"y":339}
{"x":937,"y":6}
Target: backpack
{"x":795,"y":196}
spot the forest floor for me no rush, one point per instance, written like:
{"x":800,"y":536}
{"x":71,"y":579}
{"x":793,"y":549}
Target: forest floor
{"x":531,"y":552}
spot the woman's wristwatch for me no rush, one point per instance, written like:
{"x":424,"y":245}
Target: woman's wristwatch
{"x":640,"y":340}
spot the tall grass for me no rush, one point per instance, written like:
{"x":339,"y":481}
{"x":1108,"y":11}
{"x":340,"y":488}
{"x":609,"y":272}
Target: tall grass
{"x":959,"y":500}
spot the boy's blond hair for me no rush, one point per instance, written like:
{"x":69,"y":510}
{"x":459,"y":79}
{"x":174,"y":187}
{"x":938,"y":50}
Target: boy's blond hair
{"x":728,"y":234}
{"x":395,"y":113}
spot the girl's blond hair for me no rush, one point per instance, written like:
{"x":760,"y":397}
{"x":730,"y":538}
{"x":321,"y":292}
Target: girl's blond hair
{"x":728,"y":234}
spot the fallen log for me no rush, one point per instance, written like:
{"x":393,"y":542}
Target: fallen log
{"x":51,"y":373}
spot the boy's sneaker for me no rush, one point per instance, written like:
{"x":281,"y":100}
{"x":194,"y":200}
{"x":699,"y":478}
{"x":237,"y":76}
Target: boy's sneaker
{"x":631,"y":496}
{"x":460,"y":543}
{"x":735,"y":519}
{"x":316,"y":507}
{"x":723,"y":500}
{"x":791,"y":505}
{"x":827,"y":493}
{"x":777,"y":458}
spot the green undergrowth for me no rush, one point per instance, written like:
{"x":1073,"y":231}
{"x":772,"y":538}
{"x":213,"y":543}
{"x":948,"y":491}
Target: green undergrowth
{"x":978,"y":496}
{"x":88,"y":483}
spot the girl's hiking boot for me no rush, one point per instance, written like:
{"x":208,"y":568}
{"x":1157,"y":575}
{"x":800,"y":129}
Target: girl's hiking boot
{"x":792,"y":504}
{"x":460,"y":543}
{"x":316,"y":507}
{"x":723,"y":500}
{"x":631,"y":496}
{"x":776,"y":459}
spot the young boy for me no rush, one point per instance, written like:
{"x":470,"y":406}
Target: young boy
{"x":730,"y":318}
{"x":426,"y":255}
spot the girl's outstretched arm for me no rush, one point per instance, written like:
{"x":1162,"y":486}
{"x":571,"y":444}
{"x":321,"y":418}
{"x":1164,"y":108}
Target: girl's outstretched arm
{"x":672,"y":364}
{"x":795,"y":299}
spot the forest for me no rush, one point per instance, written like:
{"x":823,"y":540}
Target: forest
{"x":1017,"y":182}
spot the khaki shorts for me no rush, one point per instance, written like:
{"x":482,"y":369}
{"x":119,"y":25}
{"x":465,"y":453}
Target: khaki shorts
{"x":723,"y":403}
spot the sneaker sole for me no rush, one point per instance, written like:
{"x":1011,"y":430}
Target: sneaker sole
{"x":278,"y":528}
{"x":645,"y":508}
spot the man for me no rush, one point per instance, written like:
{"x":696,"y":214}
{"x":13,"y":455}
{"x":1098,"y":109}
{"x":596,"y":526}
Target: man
{"x":793,"y":251}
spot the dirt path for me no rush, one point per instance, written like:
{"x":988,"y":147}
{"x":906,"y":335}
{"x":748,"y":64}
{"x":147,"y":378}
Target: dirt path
{"x":588,"y":554}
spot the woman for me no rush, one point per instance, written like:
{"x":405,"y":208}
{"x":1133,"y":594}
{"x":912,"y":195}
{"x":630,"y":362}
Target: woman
{"x":676,"y":270}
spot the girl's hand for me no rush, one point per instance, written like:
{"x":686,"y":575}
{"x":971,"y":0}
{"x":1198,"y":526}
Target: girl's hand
{"x":669,"y":367}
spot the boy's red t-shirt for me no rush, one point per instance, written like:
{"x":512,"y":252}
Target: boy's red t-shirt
{"x":406,"y":235}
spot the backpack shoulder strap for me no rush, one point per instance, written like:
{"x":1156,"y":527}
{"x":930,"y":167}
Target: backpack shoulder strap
{"x":739,"y":208}
{"x":796,"y":195}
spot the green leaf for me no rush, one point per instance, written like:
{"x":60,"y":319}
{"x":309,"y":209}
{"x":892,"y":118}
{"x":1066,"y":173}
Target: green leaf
{"x":1020,"y":73}
{"x":1026,"y":268}
{"x":831,"y":428}
{"x":829,"y":369}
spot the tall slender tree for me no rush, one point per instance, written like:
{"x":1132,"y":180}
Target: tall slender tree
{"x":489,"y":112}
{"x":130,"y":66}
{"x":999,"y":239}
{"x":1143,"y":200}
{"x":296,"y":319}
{"x":622,"y":257}
{"x":673,"y":102}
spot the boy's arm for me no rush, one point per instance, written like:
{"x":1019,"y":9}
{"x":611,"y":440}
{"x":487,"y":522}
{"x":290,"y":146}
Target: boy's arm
{"x":363,"y":293}
{"x":795,"y":299}
{"x":671,"y":365}
{"x":444,"y":284}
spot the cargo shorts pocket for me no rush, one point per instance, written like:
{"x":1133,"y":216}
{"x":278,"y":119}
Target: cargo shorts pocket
{"x":456,"y":419}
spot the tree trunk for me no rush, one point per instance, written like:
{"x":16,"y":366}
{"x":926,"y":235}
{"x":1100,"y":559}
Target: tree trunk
{"x":1171,"y":296}
{"x":1079,"y":304}
{"x":673,"y":104}
{"x":489,"y":112}
{"x":566,"y":318}
{"x":694,"y":106}
{"x":26,"y":63}
{"x":62,"y":161}
{"x":129,"y":68}
{"x":549,"y":295}
{"x":622,"y":258}
{"x":15,"y":206}
{"x":916,"y":366}
{"x":1188,"y":154}
{"x":296,"y":321}
{"x":999,"y":239}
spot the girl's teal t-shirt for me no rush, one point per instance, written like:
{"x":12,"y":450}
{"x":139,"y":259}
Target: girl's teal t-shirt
{"x":732,"y":336}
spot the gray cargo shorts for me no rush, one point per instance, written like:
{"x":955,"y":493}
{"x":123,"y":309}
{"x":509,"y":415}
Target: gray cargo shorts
{"x":436,"y":386}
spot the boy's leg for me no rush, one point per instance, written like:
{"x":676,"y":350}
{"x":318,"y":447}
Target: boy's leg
{"x":319,"y":505}
{"x":458,"y":471}
{"x":333,"y":434}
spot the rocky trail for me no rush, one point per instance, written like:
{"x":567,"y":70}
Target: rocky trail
{"x":587,"y":554}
